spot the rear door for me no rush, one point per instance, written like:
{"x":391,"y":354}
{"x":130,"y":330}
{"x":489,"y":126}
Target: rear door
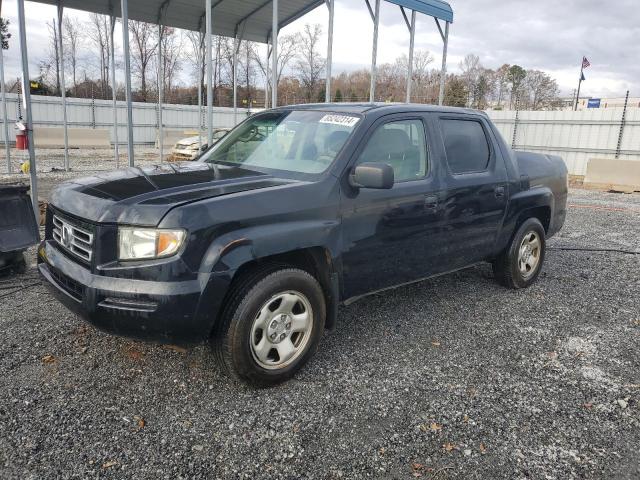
{"x":475,"y":186}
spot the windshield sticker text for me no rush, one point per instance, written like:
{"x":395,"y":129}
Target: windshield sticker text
{"x":345,"y":120}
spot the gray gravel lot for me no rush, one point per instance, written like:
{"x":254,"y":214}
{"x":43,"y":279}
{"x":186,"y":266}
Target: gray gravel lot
{"x":453,"y":377}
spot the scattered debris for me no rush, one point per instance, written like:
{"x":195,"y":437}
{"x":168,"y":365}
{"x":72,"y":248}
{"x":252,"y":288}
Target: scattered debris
{"x":449,"y":447}
{"x":49,"y":359}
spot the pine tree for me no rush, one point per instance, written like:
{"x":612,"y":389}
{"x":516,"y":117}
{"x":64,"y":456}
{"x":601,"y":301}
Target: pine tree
{"x":338,"y":96}
{"x":455,"y":93}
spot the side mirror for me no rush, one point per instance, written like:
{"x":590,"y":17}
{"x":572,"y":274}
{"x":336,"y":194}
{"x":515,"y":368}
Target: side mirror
{"x":372,"y":175}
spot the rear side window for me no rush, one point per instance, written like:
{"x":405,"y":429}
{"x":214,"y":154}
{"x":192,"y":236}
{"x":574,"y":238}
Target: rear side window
{"x":466,"y":145}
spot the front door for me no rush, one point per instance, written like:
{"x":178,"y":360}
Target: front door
{"x":389,"y":235}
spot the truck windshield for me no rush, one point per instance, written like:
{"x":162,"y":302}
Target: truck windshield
{"x":297,"y":141}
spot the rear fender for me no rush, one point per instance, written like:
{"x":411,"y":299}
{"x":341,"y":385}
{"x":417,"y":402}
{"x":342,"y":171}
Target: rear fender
{"x":519,"y":203}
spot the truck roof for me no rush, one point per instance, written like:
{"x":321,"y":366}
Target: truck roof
{"x":377,"y":107}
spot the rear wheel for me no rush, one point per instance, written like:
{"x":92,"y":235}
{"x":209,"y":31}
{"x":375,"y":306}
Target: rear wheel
{"x":271,"y":325}
{"x":520,"y":264}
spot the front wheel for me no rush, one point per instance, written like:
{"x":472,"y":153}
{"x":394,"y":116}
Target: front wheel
{"x":271,"y":325}
{"x":520,"y":264}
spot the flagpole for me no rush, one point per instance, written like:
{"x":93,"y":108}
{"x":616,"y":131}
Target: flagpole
{"x":575,"y":108}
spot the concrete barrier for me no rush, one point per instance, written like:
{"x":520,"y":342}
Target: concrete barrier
{"x":53,"y":137}
{"x":622,"y":175}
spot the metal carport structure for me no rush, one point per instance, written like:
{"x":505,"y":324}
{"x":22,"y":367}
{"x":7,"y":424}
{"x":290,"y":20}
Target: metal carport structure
{"x":252,"y":20}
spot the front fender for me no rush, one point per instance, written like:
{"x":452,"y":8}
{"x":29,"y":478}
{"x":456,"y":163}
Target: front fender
{"x":230,"y":251}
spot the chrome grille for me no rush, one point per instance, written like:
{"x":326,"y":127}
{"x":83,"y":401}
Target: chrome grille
{"x":72,"y":238}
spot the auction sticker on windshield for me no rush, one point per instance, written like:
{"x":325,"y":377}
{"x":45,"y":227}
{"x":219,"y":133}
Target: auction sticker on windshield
{"x":345,"y":120}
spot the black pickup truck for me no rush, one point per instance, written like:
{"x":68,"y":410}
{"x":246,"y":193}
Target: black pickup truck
{"x":296,"y":210}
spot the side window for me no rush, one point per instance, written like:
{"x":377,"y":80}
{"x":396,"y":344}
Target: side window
{"x":466,"y":145}
{"x":402,"y":145}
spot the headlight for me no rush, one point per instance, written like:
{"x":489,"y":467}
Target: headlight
{"x":145,"y":243}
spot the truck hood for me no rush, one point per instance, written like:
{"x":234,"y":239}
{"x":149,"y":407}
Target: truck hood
{"x":142,"y":196}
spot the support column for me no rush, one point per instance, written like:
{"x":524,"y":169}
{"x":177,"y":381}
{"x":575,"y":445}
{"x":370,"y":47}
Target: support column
{"x":443,"y":72}
{"x":63,"y":92}
{"x":266,"y":77}
{"x":412,"y":35}
{"x":374,"y":52}
{"x":26,"y":96}
{"x":209,"y":73}
{"x":327,"y":94}
{"x":124,"y":7}
{"x":160,"y":93}
{"x":112,"y":54}
{"x":274,"y":55}
{"x":236,"y":47}
{"x":7,"y":148}
{"x":199,"y":58}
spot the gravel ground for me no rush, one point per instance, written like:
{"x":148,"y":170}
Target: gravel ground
{"x":453,"y":377}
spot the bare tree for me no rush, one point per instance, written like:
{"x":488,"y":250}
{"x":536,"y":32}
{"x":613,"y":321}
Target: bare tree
{"x":247,"y":70}
{"x":195,"y":55}
{"x":310,"y":64}
{"x":98,"y":32}
{"x":542,"y":90}
{"x":72,"y":40}
{"x":287,"y":51}
{"x":501,"y":84}
{"x":471,"y":68}
{"x":143,"y":49}
{"x":50,"y":66}
{"x":225,"y":57}
{"x":171,"y":45}
{"x":421,"y":78}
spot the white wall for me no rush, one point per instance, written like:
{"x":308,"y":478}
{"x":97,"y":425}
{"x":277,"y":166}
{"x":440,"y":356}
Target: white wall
{"x":574,"y":136}
{"x":47,"y":111}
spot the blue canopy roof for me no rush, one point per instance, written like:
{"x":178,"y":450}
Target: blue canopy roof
{"x":433,"y":8}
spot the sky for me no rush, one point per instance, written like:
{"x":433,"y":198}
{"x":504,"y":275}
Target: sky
{"x":549,"y":35}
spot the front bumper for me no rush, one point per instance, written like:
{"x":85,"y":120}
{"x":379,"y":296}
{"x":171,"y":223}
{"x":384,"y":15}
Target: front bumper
{"x":167,"y":312}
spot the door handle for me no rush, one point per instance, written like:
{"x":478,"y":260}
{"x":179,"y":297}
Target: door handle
{"x":499,"y":192}
{"x":431,"y":202}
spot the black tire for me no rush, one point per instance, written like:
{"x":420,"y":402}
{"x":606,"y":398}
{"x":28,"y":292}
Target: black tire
{"x":506,"y":267}
{"x":231,"y":339}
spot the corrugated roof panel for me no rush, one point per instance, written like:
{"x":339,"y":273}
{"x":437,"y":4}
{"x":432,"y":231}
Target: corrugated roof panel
{"x":229,"y":14}
{"x":433,"y":8}
{"x":189,"y":14}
